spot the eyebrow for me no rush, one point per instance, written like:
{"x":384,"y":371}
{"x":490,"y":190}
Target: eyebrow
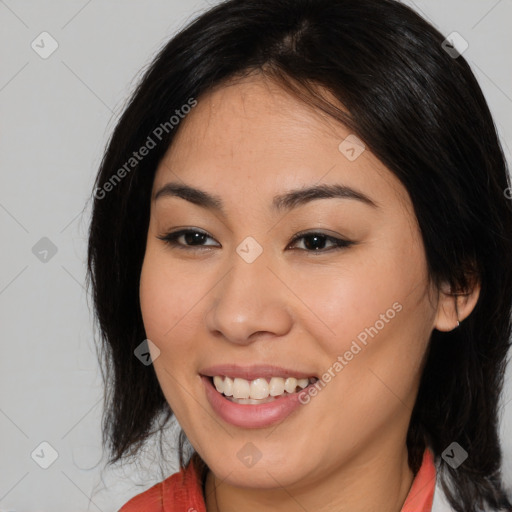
{"x":284,"y":202}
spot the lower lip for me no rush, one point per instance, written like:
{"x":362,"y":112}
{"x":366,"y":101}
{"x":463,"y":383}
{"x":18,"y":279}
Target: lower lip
{"x":248,"y":415}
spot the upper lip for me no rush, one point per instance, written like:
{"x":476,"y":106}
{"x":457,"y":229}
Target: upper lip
{"x":253,"y":372}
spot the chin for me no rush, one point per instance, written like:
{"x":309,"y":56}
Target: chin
{"x":239,"y":470}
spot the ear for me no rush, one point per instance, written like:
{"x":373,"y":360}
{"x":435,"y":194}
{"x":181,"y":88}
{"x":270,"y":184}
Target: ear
{"x":455,"y":306}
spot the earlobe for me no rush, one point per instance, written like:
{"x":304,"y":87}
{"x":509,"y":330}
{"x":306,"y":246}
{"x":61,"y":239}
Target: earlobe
{"x":453,"y":307}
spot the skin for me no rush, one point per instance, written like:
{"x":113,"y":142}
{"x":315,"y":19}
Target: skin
{"x":204,"y":305}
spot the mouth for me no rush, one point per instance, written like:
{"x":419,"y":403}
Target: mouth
{"x":255,"y":396}
{"x":260,"y":390}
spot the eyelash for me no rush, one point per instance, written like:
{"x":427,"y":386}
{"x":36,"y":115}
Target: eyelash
{"x":339,"y":243}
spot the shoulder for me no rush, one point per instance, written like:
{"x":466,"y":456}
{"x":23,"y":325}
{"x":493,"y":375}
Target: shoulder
{"x":180,"y":491}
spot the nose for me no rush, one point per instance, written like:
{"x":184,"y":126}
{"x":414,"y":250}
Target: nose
{"x":249,"y":302}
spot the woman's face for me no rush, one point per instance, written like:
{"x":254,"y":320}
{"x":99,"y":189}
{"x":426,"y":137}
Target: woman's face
{"x":243,"y":296}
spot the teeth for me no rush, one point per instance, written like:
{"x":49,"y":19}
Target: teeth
{"x":290,"y":384}
{"x":258,"y":390}
{"x":276,"y":386}
{"x":241,"y":388}
{"x":228,"y":386}
{"x":303,"y":383}
{"x":218,"y":383}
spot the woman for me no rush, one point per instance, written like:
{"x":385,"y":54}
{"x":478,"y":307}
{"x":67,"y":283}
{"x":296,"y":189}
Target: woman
{"x":301,"y":220}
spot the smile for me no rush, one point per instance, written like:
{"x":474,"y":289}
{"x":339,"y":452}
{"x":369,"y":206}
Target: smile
{"x":259,"y":391}
{"x":256,"y":396}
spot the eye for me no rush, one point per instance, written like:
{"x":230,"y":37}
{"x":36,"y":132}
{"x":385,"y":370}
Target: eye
{"x":315,"y":242}
{"x":189,"y":236}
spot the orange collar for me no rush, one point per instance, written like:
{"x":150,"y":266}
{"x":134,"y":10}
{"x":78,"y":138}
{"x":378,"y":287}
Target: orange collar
{"x":421,"y":494}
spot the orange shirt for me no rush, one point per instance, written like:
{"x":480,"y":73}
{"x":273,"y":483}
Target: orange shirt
{"x":182,"y":492}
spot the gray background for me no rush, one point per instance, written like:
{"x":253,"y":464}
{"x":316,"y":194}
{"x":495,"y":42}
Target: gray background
{"x":55,"y":117}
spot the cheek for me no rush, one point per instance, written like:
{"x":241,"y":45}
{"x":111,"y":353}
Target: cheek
{"x":166,"y":300}
{"x":167,"y":297}
{"x":343,"y":302}
{"x":155,"y":303}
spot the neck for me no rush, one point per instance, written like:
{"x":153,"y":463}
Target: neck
{"x":346,"y":489}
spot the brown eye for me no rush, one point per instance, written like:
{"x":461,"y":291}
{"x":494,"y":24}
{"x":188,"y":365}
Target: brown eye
{"x":316,"y":242}
{"x":189,"y":238}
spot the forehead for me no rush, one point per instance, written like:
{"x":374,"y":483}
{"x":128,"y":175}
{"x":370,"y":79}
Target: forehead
{"x":253,"y":134}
